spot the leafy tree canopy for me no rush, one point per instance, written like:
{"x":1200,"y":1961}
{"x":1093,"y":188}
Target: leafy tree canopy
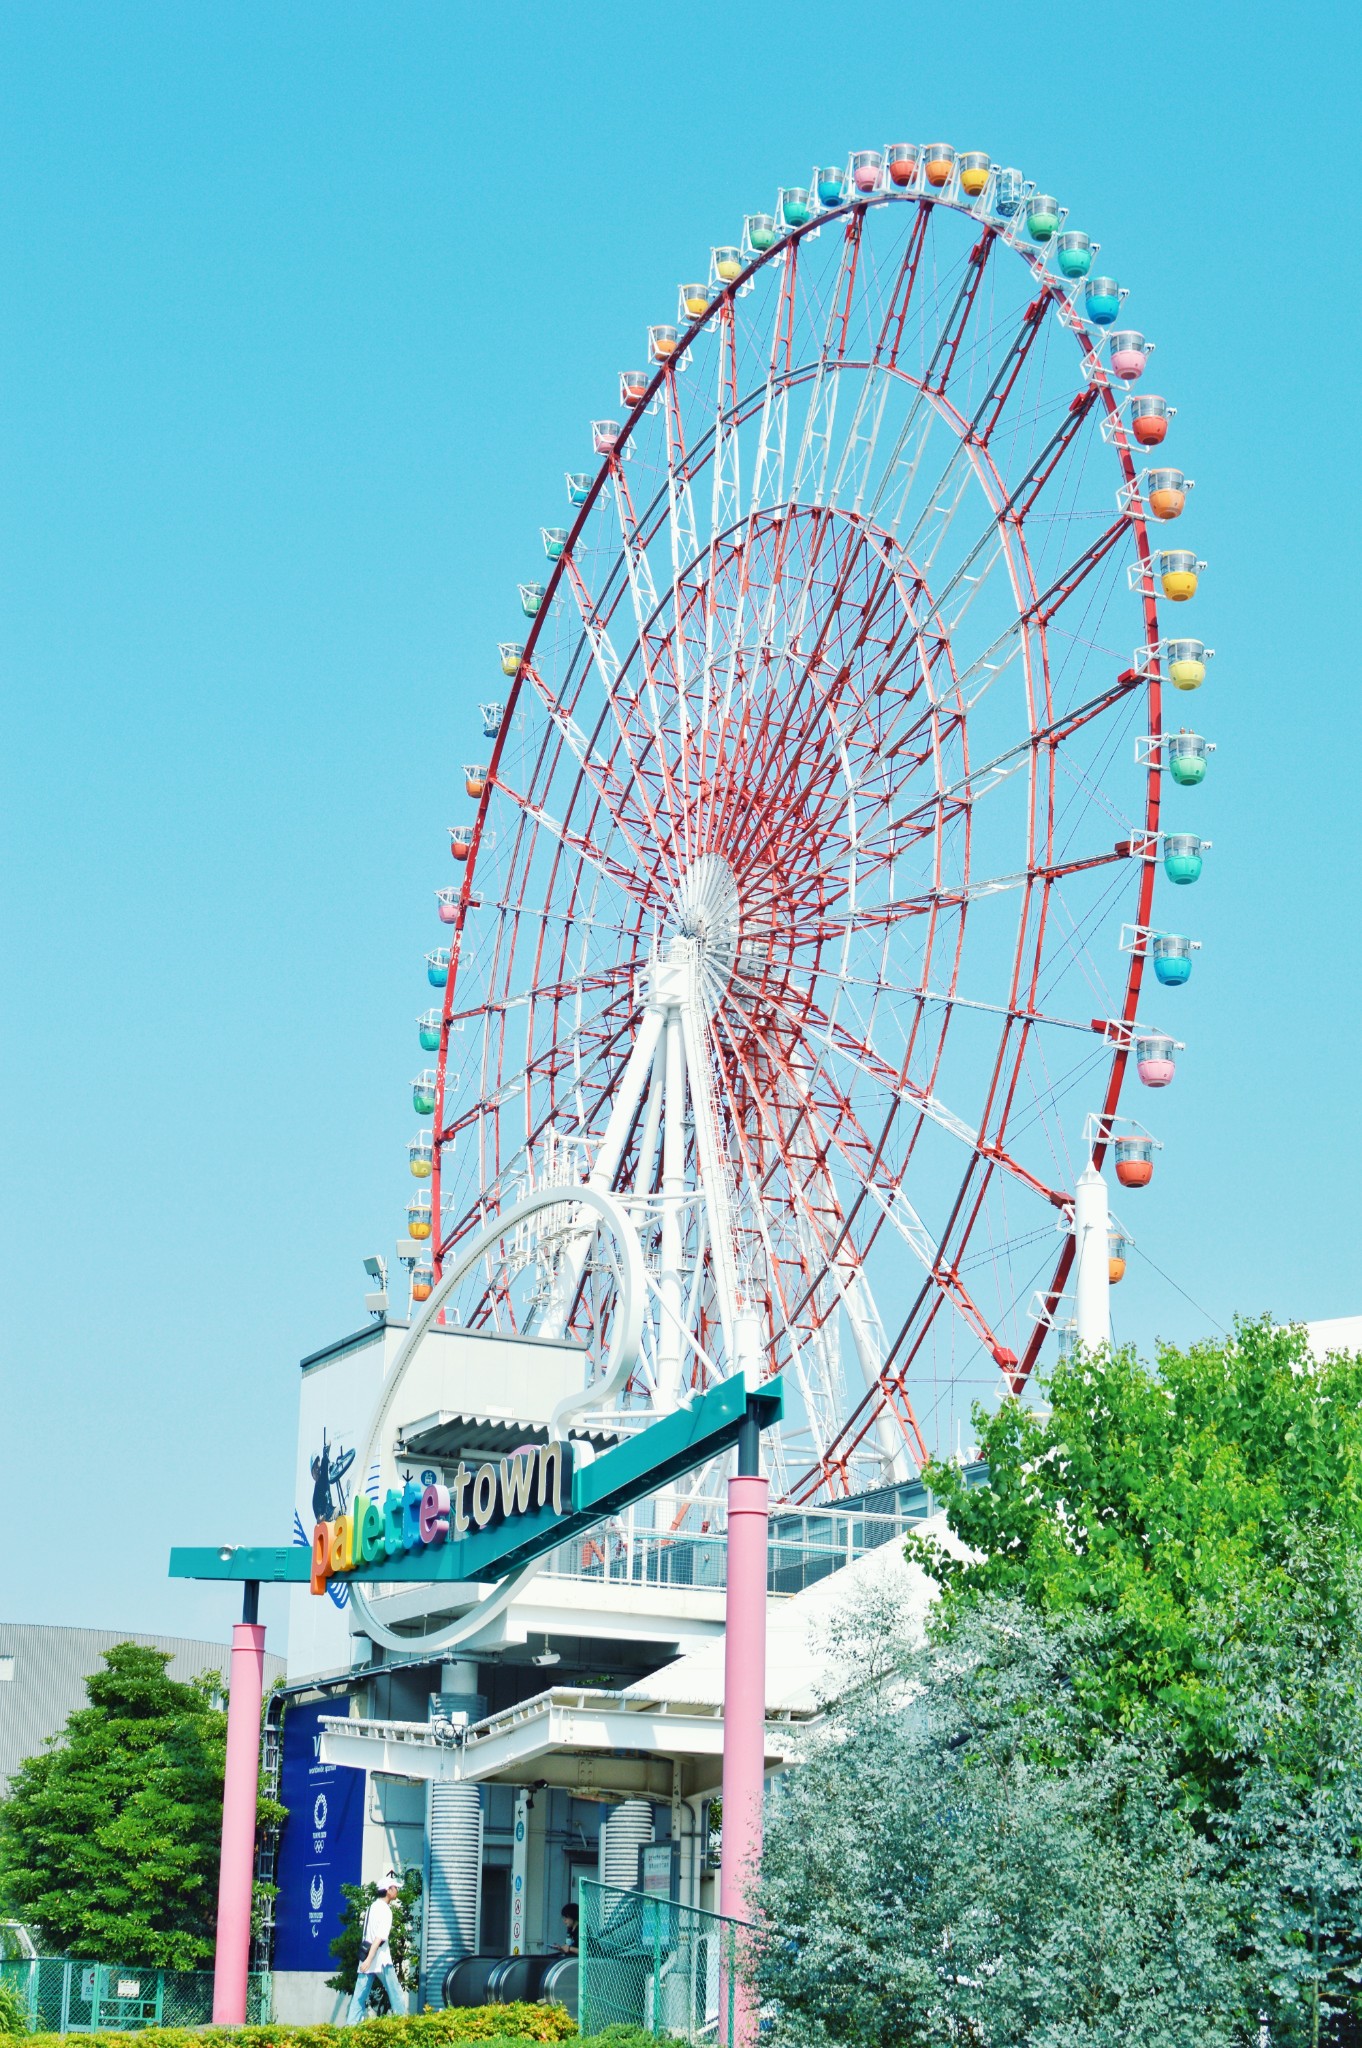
{"x":1209,"y":1511}
{"x":109,"y":1839}
{"x":957,"y":1860}
{"x":970,"y":1854}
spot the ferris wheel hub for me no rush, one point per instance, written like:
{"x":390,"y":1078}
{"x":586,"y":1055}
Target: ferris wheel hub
{"x":707,"y":923}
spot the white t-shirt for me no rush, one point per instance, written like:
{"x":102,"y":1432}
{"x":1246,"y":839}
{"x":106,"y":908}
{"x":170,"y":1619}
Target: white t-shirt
{"x":378,"y":1925}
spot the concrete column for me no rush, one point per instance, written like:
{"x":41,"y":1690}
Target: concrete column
{"x":236,"y":1870}
{"x":744,"y":1723}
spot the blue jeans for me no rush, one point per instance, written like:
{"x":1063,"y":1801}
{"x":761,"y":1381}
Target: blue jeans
{"x":359,"y":2004}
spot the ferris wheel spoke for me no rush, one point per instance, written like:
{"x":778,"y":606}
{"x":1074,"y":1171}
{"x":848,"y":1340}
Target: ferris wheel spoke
{"x":1004,"y":521}
{"x":957,"y":320}
{"x":543,"y":1069}
{"x":1019,"y":499}
{"x":918,"y":905}
{"x":890,"y":339}
{"x":822,"y":1236}
{"x":914,"y":1331}
{"x":606,"y":660}
{"x":632,"y":883}
{"x":726,"y":465}
{"x":811,"y":462}
{"x":685,"y":544}
{"x":616,"y":795}
{"x":1007,"y":377}
{"x":831,"y":1472}
{"x":1026,"y":491}
{"x":768,"y":474}
{"x":593,"y":625}
{"x":939,"y":1291}
{"x":893,"y":1203}
{"x":659,"y":652}
{"x":1014,"y":1012}
{"x":725,"y":503}
{"x":993,"y":773}
{"x":901,"y":470}
{"x":898,"y":480}
{"x":685,"y":550}
{"x":861,"y":1055}
{"x":1039,"y":612}
{"x":639,"y":574}
{"x":609,"y":669}
{"x":999,"y":542}
{"x":858,"y":454}
{"x":1014,"y":504}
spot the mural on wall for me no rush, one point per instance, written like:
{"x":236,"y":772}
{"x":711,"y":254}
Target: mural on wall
{"x":336,"y":1397}
{"x":328,"y":1467}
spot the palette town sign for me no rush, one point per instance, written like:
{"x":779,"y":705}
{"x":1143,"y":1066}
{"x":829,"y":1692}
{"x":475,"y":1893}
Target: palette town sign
{"x":421,"y":1517}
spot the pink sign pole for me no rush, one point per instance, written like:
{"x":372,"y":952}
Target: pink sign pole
{"x":744,"y":1718}
{"x":236,"y":1871}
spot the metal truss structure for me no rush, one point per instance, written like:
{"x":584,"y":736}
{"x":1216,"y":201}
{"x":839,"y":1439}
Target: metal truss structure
{"x":791,"y":901}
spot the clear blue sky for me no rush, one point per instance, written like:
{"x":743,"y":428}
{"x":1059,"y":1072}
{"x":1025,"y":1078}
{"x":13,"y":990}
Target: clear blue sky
{"x":303,"y":311}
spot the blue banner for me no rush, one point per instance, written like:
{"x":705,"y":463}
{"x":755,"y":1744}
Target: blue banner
{"x":319,"y":1849}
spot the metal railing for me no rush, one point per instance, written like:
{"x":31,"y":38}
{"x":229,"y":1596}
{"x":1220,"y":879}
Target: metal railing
{"x":648,"y":1962}
{"x":63,"y":1995}
{"x":806,"y":1544}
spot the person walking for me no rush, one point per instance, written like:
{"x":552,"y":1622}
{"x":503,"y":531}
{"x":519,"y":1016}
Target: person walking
{"x":375,"y":1956}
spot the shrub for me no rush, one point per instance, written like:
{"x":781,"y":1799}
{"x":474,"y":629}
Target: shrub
{"x":13,"y":2011}
{"x":492,"y":2026}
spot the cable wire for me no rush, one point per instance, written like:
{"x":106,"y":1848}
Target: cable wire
{"x":1182,"y":1291}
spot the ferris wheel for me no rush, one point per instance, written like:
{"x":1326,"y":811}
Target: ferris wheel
{"x":804,"y":875}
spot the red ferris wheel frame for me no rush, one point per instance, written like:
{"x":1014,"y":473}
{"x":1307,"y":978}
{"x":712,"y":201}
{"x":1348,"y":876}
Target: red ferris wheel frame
{"x":1037,"y":605}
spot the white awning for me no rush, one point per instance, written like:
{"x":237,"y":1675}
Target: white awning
{"x":609,"y":1745}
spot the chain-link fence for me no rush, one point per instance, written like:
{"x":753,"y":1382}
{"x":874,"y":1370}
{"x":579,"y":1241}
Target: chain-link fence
{"x":65,"y":1996}
{"x":647,"y":1962}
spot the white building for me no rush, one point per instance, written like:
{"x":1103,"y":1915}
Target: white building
{"x":1339,"y":1333}
{"x":593,"y":1697}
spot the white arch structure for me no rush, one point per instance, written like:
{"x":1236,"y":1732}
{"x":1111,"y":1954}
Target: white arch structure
{"x":624,"y":1349}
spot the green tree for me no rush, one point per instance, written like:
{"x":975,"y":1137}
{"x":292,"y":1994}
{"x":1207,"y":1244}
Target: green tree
{"x":404,"y":1941}
{"x":109,"y":1839}
{"x":1200,"y":1526}
{"x":1290,"y":1833}
{"x":964,"y":1856}
{"x":1223,"y":1488}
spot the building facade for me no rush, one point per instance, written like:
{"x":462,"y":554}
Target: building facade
{"x":511,"y":1748}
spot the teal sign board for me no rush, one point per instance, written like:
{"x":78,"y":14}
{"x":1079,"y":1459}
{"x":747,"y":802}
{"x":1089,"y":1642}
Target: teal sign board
{"x":498,"y":1516}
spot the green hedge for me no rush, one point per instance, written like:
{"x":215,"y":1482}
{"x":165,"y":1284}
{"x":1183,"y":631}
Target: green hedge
{"x":499,"y":2026}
